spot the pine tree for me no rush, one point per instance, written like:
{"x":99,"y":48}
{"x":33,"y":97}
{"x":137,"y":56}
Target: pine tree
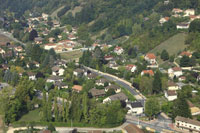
{"x":44,"y":109}
{"x":67,"y":108}
{"x":157,"y":83}
{"x":164,"y":55}
{"x":56,"y":111}
{"x":85,"y":106}
{"x":49,"y":107}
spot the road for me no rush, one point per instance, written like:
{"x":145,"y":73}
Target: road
{"x":121,"y":82}
{"x":10,"y":36}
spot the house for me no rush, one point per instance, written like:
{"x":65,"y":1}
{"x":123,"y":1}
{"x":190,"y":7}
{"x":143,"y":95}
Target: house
{"x":31,"y":76}
{"x":150,"y":58}
{"x":183,"y":26}
{"x":71,"y":37}
{"x":49,"y":46}
{"x":116,"y":88}
{"x":57,"y":71}
{"x":61,"y":85}
{"x":177,"y":10}
{"x":118,"y":50}
{"x":194,"y":110}
{"x":120,"y":96}
{"x":38,"y":40}
{"x":189,"y":12}
{"x":108,"y":57}
{"x":52,"y":40}
{"x":131,"y":68}
{"x":2,"y":51}
{"x":19,"y":49}
{"x":135,"y":108}
{"x":78,"y":72}
{"x":164,"y":20}
{"x":54,"y":79}
{"x":112,"y":64}
{"x":175,"y":71}
{"x":187,"y":124}
{"x":147,"y":72}
{"x":37,"y":64}
{"x":56,"y":23}
{"x":45,"y":16}
{"x":185,"y":53}
{"x":131,"y":128}
{"x":101,"y":82}
{"x":172,"y":86}
{"x":60,"y":63}
{"x":77,"y":88}
{"x":97,"y":93}
{"x":91,"y":76}
{"x":182,"y":78}
{"x":171,"y":95}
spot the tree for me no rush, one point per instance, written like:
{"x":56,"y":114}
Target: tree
{"x":44,"y":106}
{"x":195,"y":26}
{"x":152,"y":107}
{"x":51,"y":127}
{"x":157,"y":83}
{"x":33,"y":34}
{"x":164,"y":55}
{"x":85,"y":107}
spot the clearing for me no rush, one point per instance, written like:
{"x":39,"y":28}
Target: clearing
{"x":31,"y":116}
{"x":71,"y":55}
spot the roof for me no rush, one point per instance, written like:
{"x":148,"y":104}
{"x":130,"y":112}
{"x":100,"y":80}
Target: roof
{"x":185,"y":53}
{"x":78,"y":70}
{"x":97,"y":92}
{"x":183,"y":24}
{"x":55,"y":78}
{"x":135,"y":104}
{"x":92,"y":75}
{"x":176,"y":69}
{"x":55,"y":68}
{"x":150,"y":72}
{"x":50,"y":44}
{"x":77,"y":88}
{"x":166,"y":18}
{"x":102,"y":80}
{"x":151,"y":56}
{"x":171,"y":93}
{"x":115,"y":87}
{"x":190,"y":121}
{"x":171,"y":83}
{"x":190,"y":104}
{"x":177,"y":10}
{"x":131,"y":128}
{"x":118,"y":48}
{"x":130,"y":66}
{"x":120,"y":96}
{"x":30,"y":73}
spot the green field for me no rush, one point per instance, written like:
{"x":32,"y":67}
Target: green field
{"x":71,"y":55}
{"x":31,"y":116}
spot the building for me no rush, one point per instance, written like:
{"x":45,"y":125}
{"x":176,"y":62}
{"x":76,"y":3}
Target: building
{"x":189,"y":12}
{"x":150,"y":58}
{"x":175,"y":71}
{"x":2,"y":51}
{"x":185,"y":53}
{"x":131,"y":68}
{"x":77,"y":88}
{"x":102,"y":82}
{"x":134,"y":108}
{"x":164,"y":20}
{"x":147,"y":72}
{"x":78,"y":72}
{"x":187,"y":125}
{"x":116,"y":88}
{"x":49,"y":46}
{"x":120,"y":96}
{"x":183,"y":26}
{"x":131,"y":128}
{"x":61,"y":85}
{"x":54,"y":79}
{"x":118,"y":50}
{"x":97,"y":93}
{"x":194,"y":110}
{"x":91,"y":76}
{"x":177,"y":11}
{"x":38,"y":40}
{"x":108,"y":57}
{"x":172,"y":86}
{"x":31,"y":76}
{"x":57,"y":71}
{"x":171,"y":95}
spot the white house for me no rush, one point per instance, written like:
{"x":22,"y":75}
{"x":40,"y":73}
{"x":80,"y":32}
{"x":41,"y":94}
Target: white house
{"x":131,"y":68}
{"x":176,"y":71}
{"x":116,"y":88}
{"x":183,"y":26}
{"x":177,"y":10}
{"x":189,"y":12}
{"x":164,"y":20}
{"x":57,"y":71}
{"x":49,"y":46}
{"x":78,"y":72}
{"x":172,"y":86}
{"x":171,"y":95}
{"x":120,"y":96}
{"x":31,"y":76}
{"x":187,"y":125}
{"x":151,"y":58}
{"x":101,"y":82}
{"x":135,"y":108}
{"x":118,"y":50}
{"x":2,"y":51}
{"x":45,"y":16}
{"x":54,"y":79}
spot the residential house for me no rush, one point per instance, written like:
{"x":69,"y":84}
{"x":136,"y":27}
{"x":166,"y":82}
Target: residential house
{"x":183,"y":26}
{"x":189,"y":12}
{"x":185,"y":53}
{"x":52,"y":40}
{"x":60,"y":63}
{"x":187,"y":124}
{"x":61,"y":85}
{"x":177,"y":11}
{"x":91,"y":76}
{"x":194,"y":110}
{"x":108,"y":57}
{"x":135,"y":108}
{"x":97,"y":93}
{"x":31,"y":75}
{"x":120,"y":96}
{"x":182,"y":78}
{"x":175,"y":71}
{"x":45,"y":16}
{"x":131,"y":128}
{"x":131,"y":68}
{"x":150,"y":58}
{"x":112,"y":64}
{"x":49,"y":46}
{"x":57,"y":71}
{"x":102,"y":82}
{"x":71,"y":37}
{"x":118,"y":50}
{"x":171,"y":95}
{"x":116,"y":88}
{"x":78,"y":72}
{"x":172,"y":86}
{"x":54,"y":79}
{"x":164,"y":20}
{"x":38,"y":40}
{"x":19,"y":49}
{"x":77,"y":88}
{"x":56,"y":23}
{"x":37,"y":64}
{"x":147,"y":72}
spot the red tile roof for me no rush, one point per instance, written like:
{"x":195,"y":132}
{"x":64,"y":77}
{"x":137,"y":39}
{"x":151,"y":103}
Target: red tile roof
{"x":150,"y":72}
{"x":176,"y":69}
{"x":151,"y":56}
{"x":185,"y":53}
{"x":130,"y":66}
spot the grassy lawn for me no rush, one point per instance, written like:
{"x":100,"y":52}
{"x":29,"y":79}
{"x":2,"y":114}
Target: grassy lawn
{"x":71,"y":55}
{"x":31,"y":116}
{"x":173,"y":45}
